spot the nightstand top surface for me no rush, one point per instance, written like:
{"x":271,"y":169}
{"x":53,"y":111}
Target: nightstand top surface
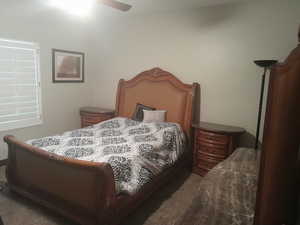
{"x":219,"y":128}
{"x":96,"y":110}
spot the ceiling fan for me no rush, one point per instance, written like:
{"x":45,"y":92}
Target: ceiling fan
{"x":116,"y":5}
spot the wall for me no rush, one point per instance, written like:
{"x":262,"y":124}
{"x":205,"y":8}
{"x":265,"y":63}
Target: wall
{"x":214,"y":46}
{"x":31,"y":20}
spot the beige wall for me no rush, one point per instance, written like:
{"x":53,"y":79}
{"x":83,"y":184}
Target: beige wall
{"x":214,"y":46}
{"x":31,"y":20}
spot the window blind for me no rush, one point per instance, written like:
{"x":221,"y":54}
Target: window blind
{"x":20,"y":91}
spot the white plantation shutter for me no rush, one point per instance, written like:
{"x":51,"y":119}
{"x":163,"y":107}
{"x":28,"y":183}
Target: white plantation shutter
{"x":20,"y":92}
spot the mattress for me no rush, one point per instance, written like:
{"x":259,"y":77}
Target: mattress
{"x":136,"y":151}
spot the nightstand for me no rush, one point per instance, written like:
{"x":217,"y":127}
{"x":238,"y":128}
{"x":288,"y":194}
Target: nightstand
{"x":93,"y":115}
{"x":212,"y":144}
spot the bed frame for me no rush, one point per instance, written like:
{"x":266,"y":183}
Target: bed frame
{"x":278,"y":179}
{"x":85,"y":191}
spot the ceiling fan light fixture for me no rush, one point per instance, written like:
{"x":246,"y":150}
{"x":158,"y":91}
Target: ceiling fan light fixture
{"x":76,"y":7}
{"x":116,"y":5}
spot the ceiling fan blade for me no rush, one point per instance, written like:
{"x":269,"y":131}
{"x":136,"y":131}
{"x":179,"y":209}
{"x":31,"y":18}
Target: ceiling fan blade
{"x":116,"y":4}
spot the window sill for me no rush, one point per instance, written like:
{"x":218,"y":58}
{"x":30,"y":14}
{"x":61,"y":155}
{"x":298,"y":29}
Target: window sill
{"x":20,"y":125}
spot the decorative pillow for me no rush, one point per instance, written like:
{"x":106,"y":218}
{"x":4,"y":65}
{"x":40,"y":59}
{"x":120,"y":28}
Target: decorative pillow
{"x":138,"y":114}
{"x":154,"y":116}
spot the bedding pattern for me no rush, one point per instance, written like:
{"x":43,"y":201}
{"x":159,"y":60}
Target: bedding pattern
{"x":136,"y":151}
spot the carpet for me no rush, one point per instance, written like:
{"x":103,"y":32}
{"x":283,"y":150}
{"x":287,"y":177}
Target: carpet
{"x":163,"y":208}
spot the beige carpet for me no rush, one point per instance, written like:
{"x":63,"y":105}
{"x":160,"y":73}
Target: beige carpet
{"x":163,"y":208}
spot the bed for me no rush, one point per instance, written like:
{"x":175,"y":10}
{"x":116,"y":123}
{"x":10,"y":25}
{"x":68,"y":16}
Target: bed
{"x":85,"y":191}
{"x":260,"y":188}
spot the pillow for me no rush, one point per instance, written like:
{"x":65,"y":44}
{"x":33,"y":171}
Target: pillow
{"x":154,"y":116}
{"x":138,"y":114}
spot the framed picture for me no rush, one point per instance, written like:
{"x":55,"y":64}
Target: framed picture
{"x":67,"y":66}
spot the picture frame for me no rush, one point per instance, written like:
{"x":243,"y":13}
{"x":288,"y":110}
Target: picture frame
{"x":67,"y":66}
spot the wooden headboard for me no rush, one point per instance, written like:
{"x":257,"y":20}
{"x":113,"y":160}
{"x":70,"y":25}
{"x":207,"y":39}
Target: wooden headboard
{"x":277,"y":195}
{"x":162,"y":90}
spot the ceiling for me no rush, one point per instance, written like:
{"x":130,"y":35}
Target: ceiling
{"x":144,"y":6}
{"x":138,"y":6}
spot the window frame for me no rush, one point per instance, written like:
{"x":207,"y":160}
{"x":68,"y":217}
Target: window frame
{"x":12,"y":125}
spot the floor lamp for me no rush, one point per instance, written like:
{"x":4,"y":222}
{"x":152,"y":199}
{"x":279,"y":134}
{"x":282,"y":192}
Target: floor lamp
{"x":266,"y":64}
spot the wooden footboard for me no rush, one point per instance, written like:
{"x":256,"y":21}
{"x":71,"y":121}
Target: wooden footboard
{"x":82,"y":191}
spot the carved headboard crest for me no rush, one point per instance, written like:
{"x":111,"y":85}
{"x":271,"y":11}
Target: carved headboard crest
{"x":159,"y":89}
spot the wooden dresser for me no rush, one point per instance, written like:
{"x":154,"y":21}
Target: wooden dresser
{"x":93,"y":115}
{"x":212,"y":144}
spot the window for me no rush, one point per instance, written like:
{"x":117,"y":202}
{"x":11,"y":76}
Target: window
{"x":20,"y":92}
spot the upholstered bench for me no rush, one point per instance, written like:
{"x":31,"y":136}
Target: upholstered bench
{"x":226,"y":195}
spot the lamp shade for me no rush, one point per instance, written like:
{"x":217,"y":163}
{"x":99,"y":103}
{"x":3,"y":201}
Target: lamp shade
{"x":265,"y":63}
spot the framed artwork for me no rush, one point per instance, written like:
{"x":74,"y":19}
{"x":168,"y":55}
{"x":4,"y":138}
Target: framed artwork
{"x":67,"y":66}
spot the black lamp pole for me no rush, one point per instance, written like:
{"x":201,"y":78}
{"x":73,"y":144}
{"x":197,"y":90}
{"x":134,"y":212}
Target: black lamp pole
{"x":266,"y":64}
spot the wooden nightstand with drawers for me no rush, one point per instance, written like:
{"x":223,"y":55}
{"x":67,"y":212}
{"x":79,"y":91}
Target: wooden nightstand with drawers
{"x":93,"y":115}
{"x":212,"y":144}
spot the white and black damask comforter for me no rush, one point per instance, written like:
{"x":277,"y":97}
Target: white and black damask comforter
{"x":136,"y":151}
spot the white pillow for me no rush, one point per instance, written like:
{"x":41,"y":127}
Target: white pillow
{"x":154,"y":116}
